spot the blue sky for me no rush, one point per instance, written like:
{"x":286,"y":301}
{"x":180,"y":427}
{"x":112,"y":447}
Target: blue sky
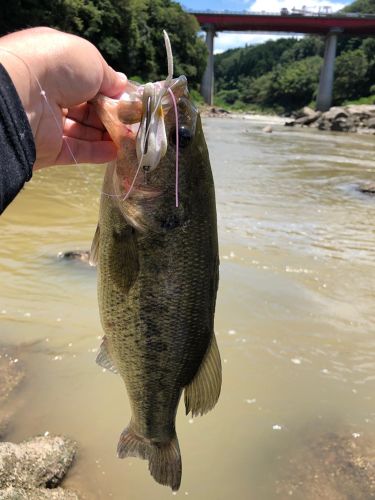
{"x":225,"y":41}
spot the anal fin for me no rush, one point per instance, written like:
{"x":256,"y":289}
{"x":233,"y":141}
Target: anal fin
{"x":202,"y":393}
{"x":104,"y":358}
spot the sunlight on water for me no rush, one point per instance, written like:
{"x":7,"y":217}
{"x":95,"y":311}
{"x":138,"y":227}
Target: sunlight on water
{"x":295,"y":314}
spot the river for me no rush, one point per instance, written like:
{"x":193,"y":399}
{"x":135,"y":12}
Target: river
{"x":295,"y":314}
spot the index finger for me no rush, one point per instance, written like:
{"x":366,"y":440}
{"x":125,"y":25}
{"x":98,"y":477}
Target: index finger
{"x":85,"y":113}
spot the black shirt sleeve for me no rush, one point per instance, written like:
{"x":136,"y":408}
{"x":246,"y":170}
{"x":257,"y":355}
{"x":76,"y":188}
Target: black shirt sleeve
{"x":17,"y":148}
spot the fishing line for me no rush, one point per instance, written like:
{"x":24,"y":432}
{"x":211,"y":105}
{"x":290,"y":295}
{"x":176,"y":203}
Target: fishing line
{"x":177,"y":148}
{"x":163,"y":91}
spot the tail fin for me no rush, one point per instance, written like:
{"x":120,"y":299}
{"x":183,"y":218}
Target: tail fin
{"x":164,"y":459}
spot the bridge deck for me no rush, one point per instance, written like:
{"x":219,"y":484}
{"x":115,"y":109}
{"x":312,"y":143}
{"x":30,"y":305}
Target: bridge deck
{"x":292,"y":23}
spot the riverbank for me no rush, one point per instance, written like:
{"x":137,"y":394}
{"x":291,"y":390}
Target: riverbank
{"x":351,"y":118}
{"x":354,"y":118}
{"x":35,"y":468}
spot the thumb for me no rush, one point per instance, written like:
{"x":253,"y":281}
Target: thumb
{"x":113,"y":83}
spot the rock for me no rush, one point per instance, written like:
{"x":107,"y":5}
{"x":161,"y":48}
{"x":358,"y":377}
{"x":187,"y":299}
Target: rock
{"x":12,"y":493}
{"x":363,"y":110}
{"x":306,"y":120}
{"x":343,"y":124}
{"x":352,"y":118}
{"x":335,"y":113}
{"x":303,"y":112}
{"x":267,"y":129}
{"x":83,"y":255}
{"x":39,"y":462}
{"x":367,"y":188}
{"x":329,"y":466}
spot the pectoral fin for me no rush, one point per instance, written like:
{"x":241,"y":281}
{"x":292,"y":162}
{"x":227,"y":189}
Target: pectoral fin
{"x":104,"y":358}
{"x":203,"y":391}
{"x":94,"y":252}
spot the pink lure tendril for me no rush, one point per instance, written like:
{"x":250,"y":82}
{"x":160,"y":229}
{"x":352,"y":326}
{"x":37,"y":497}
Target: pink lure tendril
{"x":176,"y":116}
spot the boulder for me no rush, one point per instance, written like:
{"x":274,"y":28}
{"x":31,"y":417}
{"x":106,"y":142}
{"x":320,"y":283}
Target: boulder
{"x":343,"y":124}
{"x":304,"y":112}
{"x":335,"y":113}
{"x":367,"y":188}
{"x":12,"y":493}
{"x":39,"y":462}
{"x":363,"y":110}
{"x":308,"y":119}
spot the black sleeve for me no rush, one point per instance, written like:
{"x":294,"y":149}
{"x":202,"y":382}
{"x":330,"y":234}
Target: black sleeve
{"x":17,"y":148}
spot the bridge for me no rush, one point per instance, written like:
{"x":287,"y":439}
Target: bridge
{"x":329,"y":25}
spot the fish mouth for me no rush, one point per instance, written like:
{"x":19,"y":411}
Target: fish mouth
{"x":142,"y":190}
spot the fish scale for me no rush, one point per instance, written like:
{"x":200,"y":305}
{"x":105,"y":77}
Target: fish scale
{"x":157,"y":284}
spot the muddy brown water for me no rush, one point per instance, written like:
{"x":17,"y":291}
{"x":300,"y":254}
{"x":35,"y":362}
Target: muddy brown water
{"x":295,"y":315}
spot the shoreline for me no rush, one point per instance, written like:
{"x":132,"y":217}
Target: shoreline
{"x":353,"y":118}
{"x":34,"y":468}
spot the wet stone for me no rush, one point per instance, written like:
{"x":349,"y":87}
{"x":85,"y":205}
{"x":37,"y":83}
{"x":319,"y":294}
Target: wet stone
{"x":12,"y":493}
{"x":367,"y":188}
{"x":39,"y":462}
{"x":80,"y":255}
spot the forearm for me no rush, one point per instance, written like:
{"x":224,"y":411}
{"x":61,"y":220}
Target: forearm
{"x":17,"y":148}
{"x":23,"y":68}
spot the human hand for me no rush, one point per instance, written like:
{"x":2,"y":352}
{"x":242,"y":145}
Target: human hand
{"x":71,"y":71}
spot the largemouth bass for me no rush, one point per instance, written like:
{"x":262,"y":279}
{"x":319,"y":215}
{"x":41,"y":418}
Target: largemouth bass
{"x":158,"y":268}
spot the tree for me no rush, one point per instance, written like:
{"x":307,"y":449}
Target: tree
{"x":350,"y":76}
{"x":128,"y":32}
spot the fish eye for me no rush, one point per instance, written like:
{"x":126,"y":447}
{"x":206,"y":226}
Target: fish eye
{"x":184,"y":136}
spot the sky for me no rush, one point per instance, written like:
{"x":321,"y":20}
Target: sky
{"x":225,"y":41}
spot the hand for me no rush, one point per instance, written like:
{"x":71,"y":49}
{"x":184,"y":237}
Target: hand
{"x":71,"y":71}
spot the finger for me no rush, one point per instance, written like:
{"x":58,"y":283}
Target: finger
{"x":78,"y":151}
{"x":85,"y":114}
{"x":76,"y":130}
{"x":113,"y":83}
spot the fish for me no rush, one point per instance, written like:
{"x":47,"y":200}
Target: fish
{"x":158,"y":268}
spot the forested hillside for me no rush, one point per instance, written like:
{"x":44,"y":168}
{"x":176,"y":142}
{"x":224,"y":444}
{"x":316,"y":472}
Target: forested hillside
{"x":283,"y":75}
{"x":128,"y":32}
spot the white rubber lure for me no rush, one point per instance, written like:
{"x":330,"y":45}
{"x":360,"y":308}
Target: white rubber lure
{"x":151,"y":143}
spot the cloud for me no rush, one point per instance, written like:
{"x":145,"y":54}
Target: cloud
{"x":311,"y":5}
{"x":225,"y":41}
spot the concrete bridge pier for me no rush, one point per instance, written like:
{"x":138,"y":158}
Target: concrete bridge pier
{"x":324,"y":98}
{"x":207,"y":85}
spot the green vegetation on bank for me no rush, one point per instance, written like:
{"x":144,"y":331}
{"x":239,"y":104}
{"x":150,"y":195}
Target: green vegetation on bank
{"x":128,"y":32}
{"x":283,"y":75}
{"x":276,"y":76}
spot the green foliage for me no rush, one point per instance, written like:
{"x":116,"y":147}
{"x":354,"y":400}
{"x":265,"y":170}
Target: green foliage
{"x":362,"y":100}
{"x":196,"y":96}
{"x":284,"y":74}
{"x":361,"y":6}
{"x":127,"y":32}
{"x":350,"y":75}
{"x":251,"y":61}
